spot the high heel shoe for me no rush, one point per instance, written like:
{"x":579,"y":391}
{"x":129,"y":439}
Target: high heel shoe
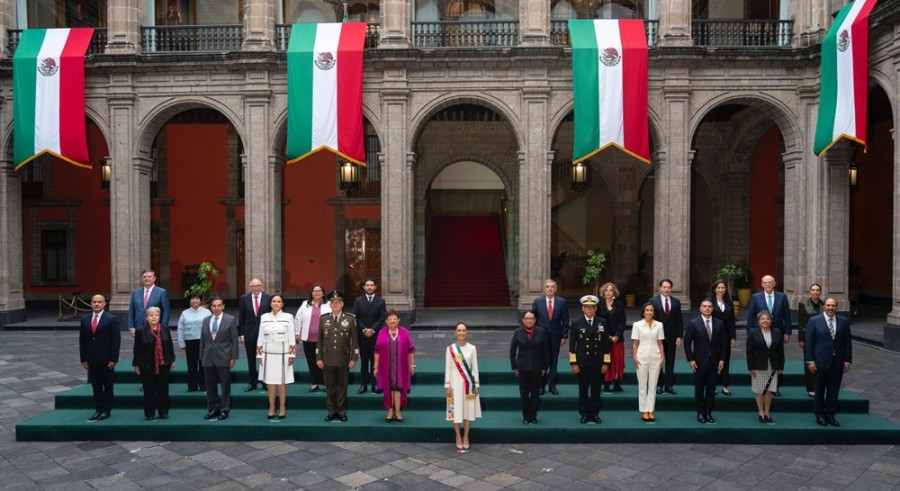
{"x":726,"y":392}
{"x":282,"y":414}
{"x":270,"y":416}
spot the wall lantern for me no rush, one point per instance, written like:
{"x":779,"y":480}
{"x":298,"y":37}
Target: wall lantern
{"x":349,"y":175}
{"x":105,"y":172}
{"x":581,"y":177}
{"x":854,"y":170}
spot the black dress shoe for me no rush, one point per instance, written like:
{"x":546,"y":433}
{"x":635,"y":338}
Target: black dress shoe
{"x":330,"y":417}
{"x":377,"y":391}
{"x":223,"y":416}
{"x":543,"y":391}
{"x":313,"y":389}
{"x":710,"y":419}
{"x":821,"y":421}
{"x":596,"y":419}
{"x":670,"y":390}
{"x":830,"y":420}
{"x":701,"y":418}
{"x":617,"y":387}
{"x":150,"y":418}
{"x":102,"y":416}
{"x":762,"y":419}
{"x":94,"y":416}
{"x":584,"y":420}
{"x":249,"y":388}
{"x":211,"y":415}
{"x":606,"y":389}
{"x":164,"y":416}
{"x":272,"y":416}
{"x":526,"y":421}
{"x":534,"y":421}
{"x":769,"y":420}
{"x":343,"y":418}
{"x":659,"y":389}
{"x":726,"y":392}
{"x":554,"y":391}
{"x":362,"y":389}
{"x":264,"y":386}
{"x":776,"y":393}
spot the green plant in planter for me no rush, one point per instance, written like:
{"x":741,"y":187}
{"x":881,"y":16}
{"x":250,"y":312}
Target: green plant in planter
{"x":596,"y":261}
{"x":198,"y":279}
{"x":733,"y":275}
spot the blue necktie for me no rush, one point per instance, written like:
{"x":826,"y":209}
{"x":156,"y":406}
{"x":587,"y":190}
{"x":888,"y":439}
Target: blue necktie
{"x":215,"y":326}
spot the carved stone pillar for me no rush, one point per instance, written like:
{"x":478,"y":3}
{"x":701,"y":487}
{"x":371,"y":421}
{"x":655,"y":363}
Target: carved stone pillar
{"x":796,"y":277}
{"x":892,"y":329}
{"x":12,"y":294}
{"x":812,"y":19}
{"x":675,"y":23}
{"x":534,"y":29}
{"x":831,"y":226}
{"x":397,"y":195}
{"x":396,"y":16}
{"x":626,"y":222}
{"x":124,"y":31}
{"x":259,"y":25}
{"x":7,"y":21}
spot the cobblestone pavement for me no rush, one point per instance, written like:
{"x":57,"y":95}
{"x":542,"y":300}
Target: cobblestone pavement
{"x":33,"y":369}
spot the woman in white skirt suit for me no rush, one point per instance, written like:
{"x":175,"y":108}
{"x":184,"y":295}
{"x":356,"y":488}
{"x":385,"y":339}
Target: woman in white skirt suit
{"x":461,"y":385}
{"x":275,"y":350}
{"x":647,"y":346}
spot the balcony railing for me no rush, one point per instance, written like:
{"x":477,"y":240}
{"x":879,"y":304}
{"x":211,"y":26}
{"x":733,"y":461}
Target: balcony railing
{"x":97,"y":45}
{"x":283,"y":35}
{"x":559,"y":32}
{"x":465,"y":34}
{"x":221,"y":37}
{"x":367,"y":190}
{"x":745,"y":33}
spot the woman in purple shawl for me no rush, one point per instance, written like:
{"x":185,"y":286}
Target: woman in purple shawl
{"x":395,"y":363}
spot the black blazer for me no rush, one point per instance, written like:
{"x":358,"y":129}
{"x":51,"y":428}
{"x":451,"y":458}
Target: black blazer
{"x":589,"y":344}
{"x":143,"y":348}
{"x":727,"y":317}
{"x":760,"y":356}
{"x":699,"y":347}
{"x":615,"y":317}
{"x":673,"y":324}
{"x":101,"y":347}
{"x":248,"y":322}
{"x":369,"y":315}
{"x":529,"y":354}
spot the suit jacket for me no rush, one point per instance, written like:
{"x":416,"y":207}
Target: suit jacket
{"x":781,"y":311}
{"x":220,"y":351}
{"x":248,"y":321}
{"x":369,"y":315}
{"x":158,"y":298}
{"x":558,"y":326}
{"x":702,"y":349}
{"x":726,"y":316}
{"x":529,"y":354}
{"x":615,"y":316}
{"x":101,"y":347}
{"x":762,"y":357}
{"x":673,"y":324}
{"x":823,"y":350}
{"x":144,"y":346}
{"x":589,"y":346}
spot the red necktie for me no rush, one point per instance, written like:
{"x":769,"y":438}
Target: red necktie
{"x":256,"y":304}
{"x":550,"y":309}
{"x":94,"y":323}
{"x":146,"y":296}
{"x":667,"y":305}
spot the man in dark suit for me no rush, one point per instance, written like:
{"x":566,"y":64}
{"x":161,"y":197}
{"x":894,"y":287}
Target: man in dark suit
{"x":705,"y":341}
{"x":370,"y":311}
{"x":251,"y":307}
{"x":828,"y":355}
{"x":777,"y":304}
{"x":147,"y":295}
{"x":553,"y":315}
{"x":589,"y":357}
{"x":529,"y":351}
{"x":218,"y":353}
{"x":667,"y":310}
{"x":99,"y":343}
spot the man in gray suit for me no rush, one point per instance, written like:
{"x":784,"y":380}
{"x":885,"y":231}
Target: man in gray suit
{"x":219,"y":347}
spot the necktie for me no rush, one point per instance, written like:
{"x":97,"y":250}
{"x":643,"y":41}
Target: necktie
{"x":256,"y":304}
{"x":550,"y":308}
{"x":370,"y":298}
{"x":215,"y":326}
{"x":769,"y":301}
{"x":94,"y":323}
{"x":708,"y":329}
{"x":146,"y":296}
{"x":667,"y":305}
{"x":831,"y":326}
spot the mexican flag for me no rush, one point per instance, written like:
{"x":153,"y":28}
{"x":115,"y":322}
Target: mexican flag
{"x":48,"y":95}
{"x":845,"y":73}
{"x":609,"y":73}
{"x":325,"y":67}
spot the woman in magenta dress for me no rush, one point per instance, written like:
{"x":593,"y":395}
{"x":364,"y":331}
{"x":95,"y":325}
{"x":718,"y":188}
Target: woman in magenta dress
{"x":395,"y":364}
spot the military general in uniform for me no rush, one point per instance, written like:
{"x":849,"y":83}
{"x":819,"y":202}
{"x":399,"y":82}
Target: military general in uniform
{"x":589,"y":357}
{"x":336,"y":353}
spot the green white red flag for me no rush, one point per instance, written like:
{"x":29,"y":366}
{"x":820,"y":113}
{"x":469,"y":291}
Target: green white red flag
{"x":325,"y":75}
{"x":845,"y":72}
{"x":48,"y":95}
{"x":609,"y":74}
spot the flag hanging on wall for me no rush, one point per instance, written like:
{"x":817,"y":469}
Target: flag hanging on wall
{"x":325,"y":67}
{"x":845,"y":73}
{"x":48,"y":95}
{"x":609,"y":73}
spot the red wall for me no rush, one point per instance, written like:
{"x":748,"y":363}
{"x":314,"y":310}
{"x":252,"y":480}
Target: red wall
{"x":362,"y":212}
{"x":765,"y":207}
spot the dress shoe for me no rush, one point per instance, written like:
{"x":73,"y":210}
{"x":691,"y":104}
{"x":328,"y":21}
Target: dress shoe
{"x":726,"y":392}
{"x":701,"y":418}
{"x":211,"y":415}
{"x":191,"y":390}
{"x":617,"y":387}
{"x":282,"y":415}
{"x":652,"y":418}
{"x":710,"y":419}
{"x":376,"y":389}
{"x":94,"y":416}
{"x":543,"y":391}
{"x":249,"y":388}
{"x":762,"y":419}
{"x":811,"y":394}
{"x":272,"y":416}
{"x":526,"y":422}
{"x":769,"y":420}
{"x":554,"y":391}
{"x":776,"y":394}
{"x":645,"y":418}
{"x":223,"y":416}
{"x":596,"y":419}
{"x":659,"y":389}
{"x":821,"y":421}
{"x":202,"y":389}
{"x":534,"y":421}
{"x":830,"y":420}
{"x":264,"y":386}
{"x":102,"y":416}
{"x":362,"y":389}
{"x":343,"y":418}
{"x":328,"y":418}
{"x":314,"y":388}
{"x":670,"y":390}
{"x":164,"y":416}
{"x":150,"y":418}
{"x":584,"y":420}
{"x":606,"y":389}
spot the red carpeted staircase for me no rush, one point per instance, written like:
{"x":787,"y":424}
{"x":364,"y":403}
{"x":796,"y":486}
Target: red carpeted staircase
{"x":465,"y":263}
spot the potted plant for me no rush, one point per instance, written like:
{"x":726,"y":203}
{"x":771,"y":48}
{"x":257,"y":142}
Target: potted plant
{"x":629,"y":289}
{"x":735,"y":278}
{"x":198,"y":279}
{"x":596,"y":261}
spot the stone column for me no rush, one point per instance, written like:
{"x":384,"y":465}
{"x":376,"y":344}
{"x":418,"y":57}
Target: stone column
{"x":124,"y":26}
{"x":892,"y":328}
{"x":7,"y":21}
{"x":396,"y":16}
{"x":675,"y":23}
{"x":397,"y":196}
{"x":259,"y":26}
{"x":812,"y":19}
{"x":795,"y":192}
{"x":626,"y":210}
{"x":831,"y":228}
{"x":672,"y":213}
{"x":129,"y":199}
{"x":262,"y":194}
{"x":12,"y":293}
{"x":534,"y":22}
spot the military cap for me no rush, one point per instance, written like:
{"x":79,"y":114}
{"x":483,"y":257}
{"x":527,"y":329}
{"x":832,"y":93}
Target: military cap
{"x":589,"y":300}
{"x":334,"y":295}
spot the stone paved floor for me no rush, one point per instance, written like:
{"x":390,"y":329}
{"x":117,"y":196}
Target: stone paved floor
{"x":33,"y":368}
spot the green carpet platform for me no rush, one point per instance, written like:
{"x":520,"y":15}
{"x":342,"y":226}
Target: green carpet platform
{"x":502,"y":421}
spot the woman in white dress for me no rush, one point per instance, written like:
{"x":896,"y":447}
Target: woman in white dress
{"x":461,"y":384}
{"x":647,"y":346}
{"x":275,"y":351}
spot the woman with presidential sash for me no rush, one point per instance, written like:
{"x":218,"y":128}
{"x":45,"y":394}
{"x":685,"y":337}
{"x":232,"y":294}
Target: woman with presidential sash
{"x":461,"y":384}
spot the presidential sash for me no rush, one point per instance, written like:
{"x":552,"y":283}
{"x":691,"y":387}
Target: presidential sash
{"x":464,"y":371}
